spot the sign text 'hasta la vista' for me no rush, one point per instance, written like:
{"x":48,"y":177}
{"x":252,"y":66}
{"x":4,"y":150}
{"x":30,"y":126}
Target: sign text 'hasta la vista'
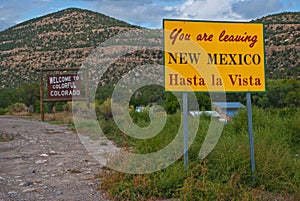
{"x":213,"y":56}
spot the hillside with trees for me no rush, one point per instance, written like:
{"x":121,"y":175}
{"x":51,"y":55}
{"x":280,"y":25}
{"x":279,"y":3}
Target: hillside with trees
{"x":282,"y":40}
{"x":65,"y":39}
{"x":62,"y":39}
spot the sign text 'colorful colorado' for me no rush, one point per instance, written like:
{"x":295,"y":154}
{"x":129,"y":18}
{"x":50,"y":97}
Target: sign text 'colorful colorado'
{"x":64,"y":86}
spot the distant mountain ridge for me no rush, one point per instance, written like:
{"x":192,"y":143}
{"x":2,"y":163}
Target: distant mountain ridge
{"x":282,"y":42}
{"x":60,"y":39}
{"x":65,"y":39}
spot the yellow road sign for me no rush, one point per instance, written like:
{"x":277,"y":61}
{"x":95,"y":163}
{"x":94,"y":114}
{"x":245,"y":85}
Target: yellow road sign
{"x":213,"y":56}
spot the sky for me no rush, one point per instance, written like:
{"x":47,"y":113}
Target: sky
{"x":148,"y":13}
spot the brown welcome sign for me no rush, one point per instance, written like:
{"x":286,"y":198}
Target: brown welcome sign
{"x":64,"y":86}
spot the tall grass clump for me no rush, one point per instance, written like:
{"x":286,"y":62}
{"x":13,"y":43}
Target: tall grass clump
{"x":277,"y":165}
{"x":225,"y":174}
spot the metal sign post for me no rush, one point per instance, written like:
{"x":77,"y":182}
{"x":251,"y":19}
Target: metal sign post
{"x":41,"y":95}
{"x":185,"y":129}
{"x":250,"y":131}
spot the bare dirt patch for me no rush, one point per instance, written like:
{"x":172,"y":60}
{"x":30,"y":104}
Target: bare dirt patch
{"x":40,"y":161}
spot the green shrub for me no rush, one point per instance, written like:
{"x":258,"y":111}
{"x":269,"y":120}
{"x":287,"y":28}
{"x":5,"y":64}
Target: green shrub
{"x":225,"y":173}
{"x":140,"y":118}
{"x":18,"y":107}
{"x":4,"y":111}
{"x":104,"y":109}
{"x":292,"y":128}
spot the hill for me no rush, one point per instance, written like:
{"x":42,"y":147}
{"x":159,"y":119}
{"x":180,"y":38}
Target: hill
{"x":61,"y":39}
{"x":65,"y":39}
{"x":282,"y":42}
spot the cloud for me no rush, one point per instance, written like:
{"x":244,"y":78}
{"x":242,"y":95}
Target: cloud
{"x":151,"y":12}
{"x":4,"y":24}
{"x":9,"y":13}
{"x":205,"y":10}
{"x":148,"y":13}
{"x":250,"y":9}
{"x":14,"y":11}
{"x":144,"y":13}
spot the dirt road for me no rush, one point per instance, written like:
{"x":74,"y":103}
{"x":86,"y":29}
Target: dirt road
{"x":39,"y":161}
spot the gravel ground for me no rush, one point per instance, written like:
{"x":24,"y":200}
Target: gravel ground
{"x":40,"y":161}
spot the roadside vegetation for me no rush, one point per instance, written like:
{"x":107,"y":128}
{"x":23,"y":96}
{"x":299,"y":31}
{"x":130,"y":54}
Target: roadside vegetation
{"x":280,"y":94}
{"x":225,"y":173}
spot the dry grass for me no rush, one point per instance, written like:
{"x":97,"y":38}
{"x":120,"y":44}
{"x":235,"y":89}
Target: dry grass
{"x":59,"y":117}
